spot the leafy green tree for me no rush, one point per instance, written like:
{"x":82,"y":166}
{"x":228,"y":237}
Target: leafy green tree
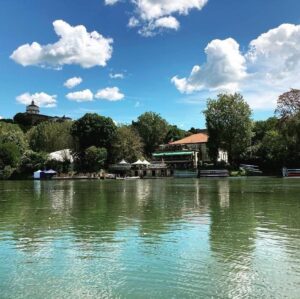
{"x":32,"y":161}
{"x":153,"y":130}
{"x":229,"y":125}
{"x":127,"y":144}
{"x":59,"y":166}
{"x":95,"y":158}
{"x":11,"y":133}
{"x":50,"y":136}
{"x":9,"y":155}
{"x":93,"y":130}
{"x":174,"y":134}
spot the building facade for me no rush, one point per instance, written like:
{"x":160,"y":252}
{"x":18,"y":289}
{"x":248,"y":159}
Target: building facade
{"x":186,"y":154}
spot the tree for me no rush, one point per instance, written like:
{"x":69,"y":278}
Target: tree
{"x":32,"y":161}
{"x":229,"y":125}
{"x":288,"y":104}
{"x":9,"y":155}
{"x":153,"y":130}
{"x":93,"y":130}
{"x":11,"y":133}
{"x":50,"y":136}
{"x":95,"y":158}
{"x":127,"y":144}
{"x":174,"y":134}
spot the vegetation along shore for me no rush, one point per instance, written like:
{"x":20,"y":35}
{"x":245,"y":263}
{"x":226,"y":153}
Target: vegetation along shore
{"x":94,"y":142}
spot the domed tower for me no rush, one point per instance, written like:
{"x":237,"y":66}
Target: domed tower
{"x":32,"y":108}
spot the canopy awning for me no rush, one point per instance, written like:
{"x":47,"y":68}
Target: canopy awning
{"x":166,"y":154}
{"x":138,"y":162}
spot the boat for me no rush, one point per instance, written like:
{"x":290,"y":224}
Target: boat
{"x":291,"y":172}
{"x":251,"y":170}
{"x":132,"y":178}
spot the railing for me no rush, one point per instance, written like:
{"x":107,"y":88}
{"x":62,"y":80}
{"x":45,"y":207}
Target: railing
{"x":289,"y":172}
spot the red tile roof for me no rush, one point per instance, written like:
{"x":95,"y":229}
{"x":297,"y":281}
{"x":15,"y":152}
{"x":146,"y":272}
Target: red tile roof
{"x":195,"y":138}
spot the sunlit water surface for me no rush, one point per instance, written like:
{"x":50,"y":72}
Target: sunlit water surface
{"x":218,"y":238}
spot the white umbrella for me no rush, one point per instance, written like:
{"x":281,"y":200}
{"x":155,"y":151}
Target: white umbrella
{"x":145,"y":162}
{"x":138,"y":162}
{"x":123,"y":162}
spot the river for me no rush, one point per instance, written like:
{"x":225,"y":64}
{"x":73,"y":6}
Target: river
{"x":168,"y":238}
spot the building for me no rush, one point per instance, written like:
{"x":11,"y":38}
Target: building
{"x":142,"y":169}
{"x":33,"y":117}
{"x":32,"y":109}
{"x":187,"y":153}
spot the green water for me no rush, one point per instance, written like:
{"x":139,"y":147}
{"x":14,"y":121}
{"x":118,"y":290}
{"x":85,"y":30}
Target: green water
{"x":227,"y":238}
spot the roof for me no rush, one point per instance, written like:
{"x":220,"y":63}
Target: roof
{"x":62,"y":155}
{"x":178,"y":153}
{"x":195,"y":138}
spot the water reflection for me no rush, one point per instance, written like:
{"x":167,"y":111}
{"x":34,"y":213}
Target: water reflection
{"x":156,"y":237}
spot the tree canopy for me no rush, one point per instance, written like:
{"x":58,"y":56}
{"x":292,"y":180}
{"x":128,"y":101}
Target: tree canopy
{"x":127,"y":144}
{"x":229,"y":125}
{"x":288,"y":104}
{"x":50,"y":136}
{"x":153,"y":130}
{"x":93,"y":130}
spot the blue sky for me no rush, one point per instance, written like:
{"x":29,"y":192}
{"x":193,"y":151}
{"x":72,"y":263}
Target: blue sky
{"x":155,"y":57}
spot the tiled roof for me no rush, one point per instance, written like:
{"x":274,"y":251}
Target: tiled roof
{"x":195,"y":138}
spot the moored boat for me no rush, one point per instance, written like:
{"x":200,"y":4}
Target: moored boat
{"x":291,"y":172}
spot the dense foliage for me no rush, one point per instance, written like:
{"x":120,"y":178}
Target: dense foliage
{"x":93,"y":129}
{"x":50,"y":136}
{"x":229,"y":126}
{"x":127,"y":145}
{"x":153,"y":130}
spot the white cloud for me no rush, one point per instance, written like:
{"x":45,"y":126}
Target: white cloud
{"x":75,"y":46}
{"x":111,"y":2}
{"x":110,"y":94}
{"x":224,"y":69}
{"x":116,"y":76}
{"x":167,"y":22}
{"x":269,"y":67}
{"x":1,"y":117}
{"x":152,"y":16}
{"x":72,"y":82}
{"x":133,"y":22}
{"x":41,"y":99}
{"x":153,"y":9}
{"x":81,"y":96}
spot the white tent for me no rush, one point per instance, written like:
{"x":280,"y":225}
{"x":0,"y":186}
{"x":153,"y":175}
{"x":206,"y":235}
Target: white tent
{"x":146,"y":162}
{"x":61,"y":156}
{"x":138,"y":162}
{"x":51,"y":171}
{"x":123,"y":162}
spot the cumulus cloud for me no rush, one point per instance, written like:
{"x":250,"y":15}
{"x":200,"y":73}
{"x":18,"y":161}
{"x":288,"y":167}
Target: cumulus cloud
{"x":1,"y":117}
{"x":80,"y":96}
{"x":152,"y":16}
{"x":41,"y":99}
{"x":225,"y":68}
{"x":72,"y":82}
{"x":110,"y":94}
{"x":270,"y":66}
{"x":116,"y":76}
{"x":75,"y":46}
{"x":167,"y":22}
{"x":111,"y":2}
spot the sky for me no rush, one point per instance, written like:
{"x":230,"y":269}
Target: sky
{"x":120,"y":58}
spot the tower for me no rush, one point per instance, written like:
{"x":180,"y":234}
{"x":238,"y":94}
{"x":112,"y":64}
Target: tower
{"x":32,"y":108}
